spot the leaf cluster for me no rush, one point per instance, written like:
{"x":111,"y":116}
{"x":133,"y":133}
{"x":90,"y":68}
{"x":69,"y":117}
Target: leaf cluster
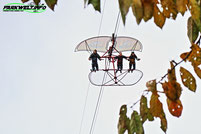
{"x":172,"y":90}
{"x":160,"y":10}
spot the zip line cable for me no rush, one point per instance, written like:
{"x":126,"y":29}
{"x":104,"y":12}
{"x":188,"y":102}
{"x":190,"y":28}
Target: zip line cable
{"x":101,"y":21}
{"x":104,"y":77}
{"x":117,"y":24}
{"x":84,"y":109}
{"x":89,"y":82}
{"x":102,"y":88}
{"x":98,"y":104}
{"x":101,"y":18}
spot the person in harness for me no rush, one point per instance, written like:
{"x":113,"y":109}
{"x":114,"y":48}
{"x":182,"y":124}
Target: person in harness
{"x":94,"y":56}
{"x":120,"y":62}
{"x":132,"y":59}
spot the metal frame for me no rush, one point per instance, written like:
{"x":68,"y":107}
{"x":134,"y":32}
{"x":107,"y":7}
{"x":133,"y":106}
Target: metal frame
{"x":112,"y":81}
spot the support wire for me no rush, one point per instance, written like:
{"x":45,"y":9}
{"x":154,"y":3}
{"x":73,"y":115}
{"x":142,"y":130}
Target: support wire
{"x":84,"y":109}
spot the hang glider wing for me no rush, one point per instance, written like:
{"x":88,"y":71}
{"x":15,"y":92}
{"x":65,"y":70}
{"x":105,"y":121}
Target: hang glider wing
{"x":127,"y":44}
{"x":102,"y":43}
{"x":98,"y":43}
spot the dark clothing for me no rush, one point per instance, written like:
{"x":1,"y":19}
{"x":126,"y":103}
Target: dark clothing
{"x":130,"y":66}
{"x":120,"y":59}
{"x":120,"y":62}
{"x":94,"y":57}
{"x":94,"y":67}
{"x":132,"y":61}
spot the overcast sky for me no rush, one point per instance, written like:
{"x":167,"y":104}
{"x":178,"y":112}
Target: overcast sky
{"x":43,"y":82}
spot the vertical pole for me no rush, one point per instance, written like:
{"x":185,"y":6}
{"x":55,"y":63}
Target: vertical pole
{"x":113,"y":58}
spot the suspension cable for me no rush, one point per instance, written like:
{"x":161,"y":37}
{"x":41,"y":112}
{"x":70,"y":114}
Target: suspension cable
{"x":117,"y":24}
{"x":104,"y":77}
{"x":101,"y":21}
{"x":84,"y":109}
{"x":98,"y":102}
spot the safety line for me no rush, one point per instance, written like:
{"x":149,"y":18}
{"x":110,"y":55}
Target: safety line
{"x":84,"y":109}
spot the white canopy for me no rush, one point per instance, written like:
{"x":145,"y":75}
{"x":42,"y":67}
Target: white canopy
{"x":102,"y":43}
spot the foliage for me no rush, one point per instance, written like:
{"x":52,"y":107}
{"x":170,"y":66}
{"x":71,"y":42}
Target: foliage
{"x":161,"y":10}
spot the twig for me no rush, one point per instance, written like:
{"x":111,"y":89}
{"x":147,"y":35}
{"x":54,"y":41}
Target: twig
{"x":176,"y":64}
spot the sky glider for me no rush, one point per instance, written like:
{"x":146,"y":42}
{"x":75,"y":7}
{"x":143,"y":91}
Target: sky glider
{"x":110,"y":47}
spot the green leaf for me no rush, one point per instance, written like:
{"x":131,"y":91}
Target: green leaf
{"x":163,"y":122}
{"x":136,"y":124}
{"x":124,"y":6}
{"x":123,"y":120}
{"x":193,"y":31}
{"x":195,"y":10}
{"x":150,"y":116}
{"x":187,"y":79}
{"x":143,"y":108}
{"x":51,"y":3}
{"x":137,"y":8}
{"x":96,"y":4}
{"x":148,"y":10}
{"x":36,"y":2}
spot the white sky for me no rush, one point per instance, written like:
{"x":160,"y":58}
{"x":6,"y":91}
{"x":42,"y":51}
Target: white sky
{"x":43,"y":82}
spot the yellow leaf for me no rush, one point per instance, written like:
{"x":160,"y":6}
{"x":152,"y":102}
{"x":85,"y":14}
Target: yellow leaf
{"x":197,"y":71}
{"x":188,"y":79}
{"x":159,"y":18}
{"x":181,"y":6}
{"x":175,"y":107}
{"x":171,"y":73}
{"x":137,"y":10}
{"x":156,"y":107}
{"x":169,"y":8}
{"x":148,"y":6}
{"x":184,"y":55}
{"x":195,"y":56}
{"x":151,"y":85}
